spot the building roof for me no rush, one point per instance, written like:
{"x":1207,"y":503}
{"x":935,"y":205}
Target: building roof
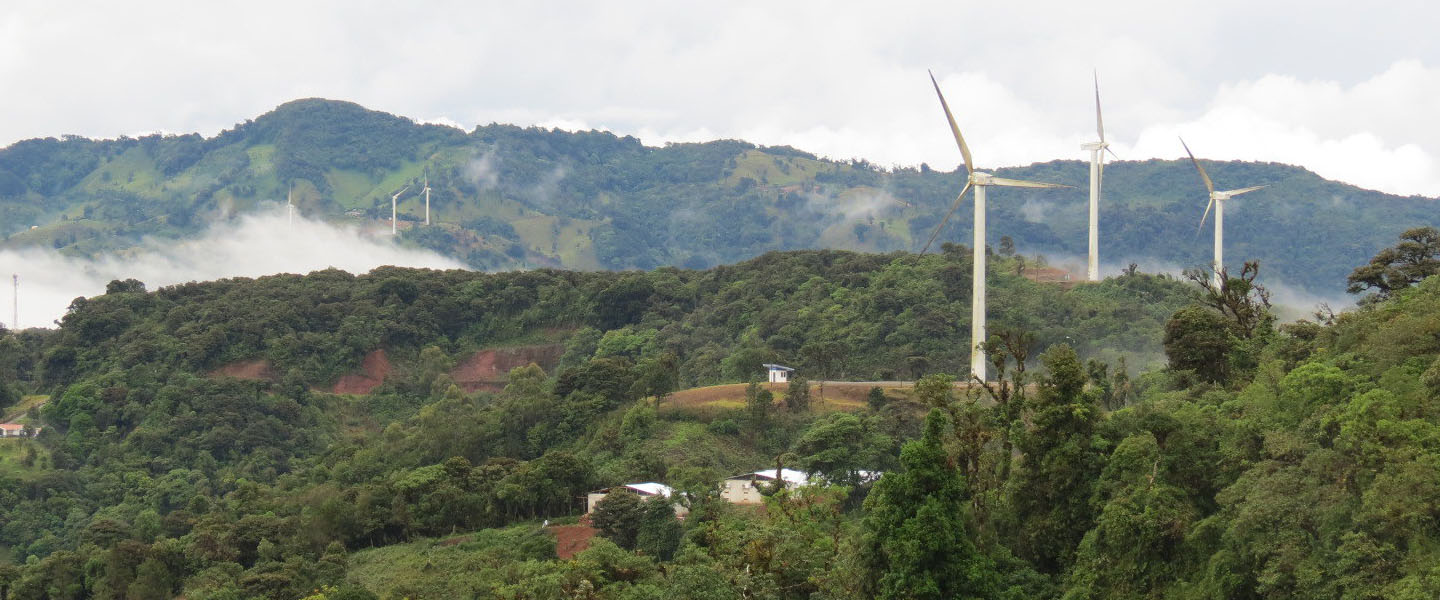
{"x":773,"y":367}
{"x":648,"y":488}
{"x":11,"y":426}
{"x":791,"y":476}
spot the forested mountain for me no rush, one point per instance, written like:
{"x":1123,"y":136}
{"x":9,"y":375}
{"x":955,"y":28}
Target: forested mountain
{"x":1264,"y":461}
{"x":507,"y":197}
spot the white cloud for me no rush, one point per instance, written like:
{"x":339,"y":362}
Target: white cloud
{"x":255,"y":245}
{"x":1272,"y":81}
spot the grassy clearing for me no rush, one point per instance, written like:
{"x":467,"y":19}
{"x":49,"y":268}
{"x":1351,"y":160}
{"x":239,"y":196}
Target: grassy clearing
{"x":776,"y":170}
{"x":838,"y":396}
{"x":12,"y":458}
{"x":17,"y":412}
{"x":461,"y":566}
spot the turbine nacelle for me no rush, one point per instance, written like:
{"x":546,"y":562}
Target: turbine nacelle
{"x":1228,"y":194}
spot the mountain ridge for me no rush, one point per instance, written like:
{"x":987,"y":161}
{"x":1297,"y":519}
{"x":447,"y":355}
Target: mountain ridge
{"x":506,"y":197}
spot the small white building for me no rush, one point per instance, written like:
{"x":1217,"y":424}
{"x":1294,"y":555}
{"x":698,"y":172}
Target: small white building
{"x":779,"y":373}
{"x":745,"y":488}
{"x":645,"y":490}
{"x":12,"y":430}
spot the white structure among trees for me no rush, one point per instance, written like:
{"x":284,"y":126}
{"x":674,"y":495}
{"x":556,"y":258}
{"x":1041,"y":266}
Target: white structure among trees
{"x":778,"y":373}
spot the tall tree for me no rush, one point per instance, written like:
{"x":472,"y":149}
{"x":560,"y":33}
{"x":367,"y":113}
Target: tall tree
{"x":916,"y":544}
{"x":1051,"y":492}
{"x":1416,"y":257}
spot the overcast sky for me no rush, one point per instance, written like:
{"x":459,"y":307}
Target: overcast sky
{"x":1347,"y":89}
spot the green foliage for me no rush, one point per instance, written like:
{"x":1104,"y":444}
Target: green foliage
{"x":917,"y":545}
{"x":1052,"y":487}
{"x":797,"y":395}
{"x":1405,"y":264}
{"x":619,"y":517}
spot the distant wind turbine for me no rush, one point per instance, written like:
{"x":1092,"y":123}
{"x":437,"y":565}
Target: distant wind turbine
{"x":290,"y":205}
{"x":427,"y":197}
{"x":393,"y":229}
{"x":1097,"y":176}
{"x":1217,"y":200}
{"x":978,"y":180}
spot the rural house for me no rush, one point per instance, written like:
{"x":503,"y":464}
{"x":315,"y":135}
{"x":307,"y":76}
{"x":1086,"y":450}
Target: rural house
{"x":14,"y":430}
{"x":778,"y":373}
{"x":646,"y":490}
{"x":745,"y":488}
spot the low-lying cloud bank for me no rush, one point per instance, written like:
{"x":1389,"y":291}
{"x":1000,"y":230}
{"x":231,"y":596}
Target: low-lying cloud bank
{"x":251,"y":246}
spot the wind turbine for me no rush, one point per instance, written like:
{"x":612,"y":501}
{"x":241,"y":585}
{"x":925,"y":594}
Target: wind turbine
{"x":290,"y":205}
{"x":978,"y":180}
{"x":1097,"y":175}
{"x":427,"y":197}
{"x":393,"y":230}
{"x":1217,"y":200}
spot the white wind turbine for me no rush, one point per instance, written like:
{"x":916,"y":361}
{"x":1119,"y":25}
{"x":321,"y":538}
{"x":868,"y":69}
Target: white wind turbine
{"x":393,"y":230}
{"x":290,"y":205}
{"x":427,"y":198}
{"x":1217,"y":200}
{"x":978,"y":180}
{"x":1097,"y":175}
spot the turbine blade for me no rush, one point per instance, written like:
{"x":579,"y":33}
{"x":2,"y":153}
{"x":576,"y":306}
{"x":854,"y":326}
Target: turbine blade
{"x":955,"y":129}
{"x":1099,"y":122}
{"x":1112,"y":153}
{"x":1205,"y":216}
{"x":1003,"y":182}
{"x":1209,"y":187}
{"x":946,"y":219}
{"x":1234,"y":193}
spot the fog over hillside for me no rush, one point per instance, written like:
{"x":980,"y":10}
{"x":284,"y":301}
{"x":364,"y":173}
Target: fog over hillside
{"x":254,"y":245}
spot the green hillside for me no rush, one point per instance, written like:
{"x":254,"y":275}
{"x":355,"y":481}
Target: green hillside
{"x":193,"y":446}
{"x":508,"y":197}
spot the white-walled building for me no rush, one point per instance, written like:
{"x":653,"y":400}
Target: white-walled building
{"x":645,"y":490}
{"x":15,"y":430}
{"x":745,"y":488}
{"x":779,"y":373}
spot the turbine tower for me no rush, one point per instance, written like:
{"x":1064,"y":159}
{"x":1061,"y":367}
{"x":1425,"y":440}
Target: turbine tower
{"x":1097,"y":175}
{"x":393,"y":230}
{"x":290,"y":205}
{"x":15,"y":299}
{"x":978,"y":180}
{"x":427,"y":197}
{"x":1217,"y":200}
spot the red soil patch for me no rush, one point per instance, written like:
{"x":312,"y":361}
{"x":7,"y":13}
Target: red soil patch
{"x":374,"y":369}
{"x":1061,"y":277}
{"x":488,"y":369}
{"x":571,"y":539}
{"x":254,"y":370}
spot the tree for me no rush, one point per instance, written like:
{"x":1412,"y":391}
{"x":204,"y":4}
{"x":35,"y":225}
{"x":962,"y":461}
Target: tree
{"x":1198,"y":339}
{"x":618,"y":516}
{"x":1051,"y":493}
{"x":659,"y":532}
{"x":876,"y":399}
{"x":758,"y":402}
{"x":916,"y":545}
{"x":797,"y":395}
{"x":1241,"y":301}
{"x":657,"y":377}
{"x":1415,"y":258}
{"x":835,"y":448}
